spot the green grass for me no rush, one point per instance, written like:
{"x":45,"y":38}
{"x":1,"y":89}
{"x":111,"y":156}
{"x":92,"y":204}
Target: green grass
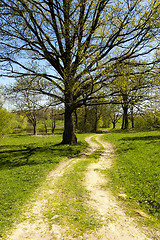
{"x":24,"y":163}
{"x":26,"y":160}
{"x":136,"y":169}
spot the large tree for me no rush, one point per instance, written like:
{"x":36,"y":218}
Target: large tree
{"x":76,"y":44}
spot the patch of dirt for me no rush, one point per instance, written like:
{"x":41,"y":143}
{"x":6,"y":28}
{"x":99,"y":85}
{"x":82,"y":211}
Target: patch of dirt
{"x":116,"y":225}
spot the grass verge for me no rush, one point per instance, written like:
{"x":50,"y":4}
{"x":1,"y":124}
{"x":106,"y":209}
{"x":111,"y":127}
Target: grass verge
{"x":24,"y":163}
{"x":136,"y":169}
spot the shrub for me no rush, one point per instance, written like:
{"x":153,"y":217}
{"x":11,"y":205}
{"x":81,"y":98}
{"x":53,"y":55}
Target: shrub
{"x":7,"y":122}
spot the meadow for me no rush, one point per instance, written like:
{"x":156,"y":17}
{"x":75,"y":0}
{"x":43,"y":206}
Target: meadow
{"x":24,"y":163}
{"x":136,"y":168}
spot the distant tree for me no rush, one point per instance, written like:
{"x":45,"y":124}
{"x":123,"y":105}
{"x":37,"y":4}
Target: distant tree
{"x":25,"y":100}
{"x":114,"y":113}
{"x":95,"y":116}
{"x":1,"y":93}
{"x":53,"y":118}
{"x":90,"y":118}
{"x":78,"y":43}
{"x":81,"y":119}
{"x":105,"y":119}
{"x":43,"y":117}
{"x":132,"y":85}
{"x":150,"y":113}
{"x":20,"y":121}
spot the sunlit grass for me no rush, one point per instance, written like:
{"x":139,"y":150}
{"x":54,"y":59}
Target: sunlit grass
{"x":136,"y":169}
{"x":24,"y":163}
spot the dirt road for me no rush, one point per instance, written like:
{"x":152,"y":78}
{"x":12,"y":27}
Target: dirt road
{"x":116,"y":225}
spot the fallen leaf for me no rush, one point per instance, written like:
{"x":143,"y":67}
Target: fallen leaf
{"x":142,"y":214}
{"x":122,"y":195}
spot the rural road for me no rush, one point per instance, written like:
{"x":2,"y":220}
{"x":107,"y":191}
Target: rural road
{"x":116,"y":225}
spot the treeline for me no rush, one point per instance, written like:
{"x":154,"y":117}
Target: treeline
{"x":20,"y":122}
{"x":87,"y":119}
{"x":90,"y":119}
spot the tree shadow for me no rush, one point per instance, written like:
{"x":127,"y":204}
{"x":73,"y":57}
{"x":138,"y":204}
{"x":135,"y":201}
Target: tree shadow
{"x":143,"y":138}
{"x":31,"y":154}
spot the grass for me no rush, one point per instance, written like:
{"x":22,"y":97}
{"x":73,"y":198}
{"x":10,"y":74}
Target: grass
{"x":136,"y":169}
{"x":24,"y":163}
{"x":26,"y":160}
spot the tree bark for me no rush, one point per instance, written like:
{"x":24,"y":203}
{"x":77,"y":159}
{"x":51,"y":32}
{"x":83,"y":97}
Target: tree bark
{"x":96,"y":120}
{"x":113,"y":119}
{"x":132,"y":117}
{"x":53,"y":118}
{"x":35,"y":128}
{"x":125,"y":117}
{"x":76,"y":120}
{"x":53,"y":124}
{"x":85,"y":118}
{"x":45,"y":126}
{"x":69,"y":136}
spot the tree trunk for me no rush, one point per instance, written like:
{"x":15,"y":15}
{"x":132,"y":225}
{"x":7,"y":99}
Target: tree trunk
{"x":125,"y":117}
{"x":85,"y":119}
{"x":53,"y":118}
{"x":132,"y":117}
{"x":76,"y":120}
{"x":114,"y":120}
{"x":53,"y":124}
{"x":35,"y":128}
{"x":96,"y":120}
{"x":122,"y":122}
{"x":69,"y":136}
{"x":114,"y":124}
{"x":45,"y":126}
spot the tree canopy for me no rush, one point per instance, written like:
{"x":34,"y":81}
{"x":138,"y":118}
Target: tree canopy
{"x":76,"y":45}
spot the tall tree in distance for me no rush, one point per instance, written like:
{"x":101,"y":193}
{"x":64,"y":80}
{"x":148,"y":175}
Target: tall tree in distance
{"x":133,"y":85}
{"x":76,"y":43}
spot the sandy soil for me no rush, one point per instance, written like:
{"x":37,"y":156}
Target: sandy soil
{"x":116,"y":225}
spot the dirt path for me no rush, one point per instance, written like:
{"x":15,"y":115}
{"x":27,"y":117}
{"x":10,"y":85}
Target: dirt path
{"x":116,"y":225}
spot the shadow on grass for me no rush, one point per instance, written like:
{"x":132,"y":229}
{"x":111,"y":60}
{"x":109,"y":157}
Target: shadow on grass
{"x":31,"y":154}
{"x":143,"y":138}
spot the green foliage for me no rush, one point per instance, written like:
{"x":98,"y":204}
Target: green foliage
{"x":90,"y":118}
{"x":24,"y":163}
{"x":149,"y":119}
{"x":136,"y":168}
{"x":7,"y":122}
{"x":20,"y":123}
